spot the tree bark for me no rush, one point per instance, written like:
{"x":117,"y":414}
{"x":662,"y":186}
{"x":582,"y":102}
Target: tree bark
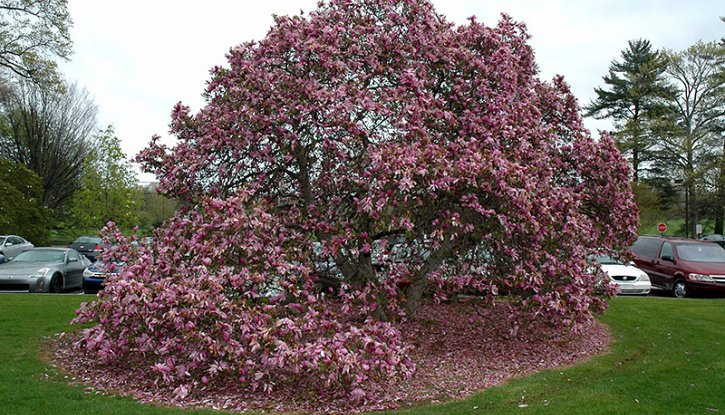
{"x":720,"y":210}
{"x":419,"y":281}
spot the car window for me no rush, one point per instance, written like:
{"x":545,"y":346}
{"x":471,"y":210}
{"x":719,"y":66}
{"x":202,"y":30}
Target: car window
{"x":647,"y":247}
{"x":701,"y":253}
{"x":666,"y":250}
{"x":88,"y":240}
{"x":606,"y":260}
{"x":2,"y":240}
{"x":73,"y":255}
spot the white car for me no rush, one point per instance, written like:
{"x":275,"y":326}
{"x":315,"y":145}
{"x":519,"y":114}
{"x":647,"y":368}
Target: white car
{"x":630,"y":279}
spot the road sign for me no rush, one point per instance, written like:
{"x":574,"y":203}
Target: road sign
{"x":662,"y":227}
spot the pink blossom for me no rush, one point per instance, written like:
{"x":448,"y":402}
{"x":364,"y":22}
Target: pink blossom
{"x":350,"y":166}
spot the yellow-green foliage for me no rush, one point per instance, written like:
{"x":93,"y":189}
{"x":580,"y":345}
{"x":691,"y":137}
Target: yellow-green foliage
{"x":108,"y":189}
{"x":21,"y":209}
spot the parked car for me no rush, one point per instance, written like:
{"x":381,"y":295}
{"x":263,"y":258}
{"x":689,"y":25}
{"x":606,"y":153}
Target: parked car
{"x":95,"y":275}
{"x":717,"y":238}
{"x":90,"y":246}
{"x":630,"y":279}
{"x":681,"y":265}
{"x":11,"y":245}
{"x":44,"y":270}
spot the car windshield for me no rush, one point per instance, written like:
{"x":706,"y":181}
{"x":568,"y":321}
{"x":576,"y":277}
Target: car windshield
{"x":701,"y":253}
{"x":606,"y":260}
{"x":2,"y":240}
{"x":41,"y":255}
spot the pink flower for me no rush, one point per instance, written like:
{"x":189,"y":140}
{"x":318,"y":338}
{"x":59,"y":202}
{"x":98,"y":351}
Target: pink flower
{"x":352,"y":161}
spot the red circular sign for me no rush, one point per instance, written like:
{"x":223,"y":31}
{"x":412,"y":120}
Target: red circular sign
{"x":662,"y":227}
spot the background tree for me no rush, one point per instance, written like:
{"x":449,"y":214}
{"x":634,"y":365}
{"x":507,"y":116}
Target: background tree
{"x":691,"y":138}
{"x":109,"y":187}
{"x":720,"y":201}
{"x":50,"y":131}
{"x":21,"y":205}
{"x":636,"y":88}
{"x":649,"y":203}
{"x":32,"y":34}
{"x":155,"y":208}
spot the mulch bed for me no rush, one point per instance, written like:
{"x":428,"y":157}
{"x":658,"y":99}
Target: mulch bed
{"x":459,"y":349}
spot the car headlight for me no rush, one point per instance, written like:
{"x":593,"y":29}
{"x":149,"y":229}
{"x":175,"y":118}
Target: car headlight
{"x":87,"y":273}
{"x":40,"y":273}
{"x":643,"y":277}
{"x":700,"y":277}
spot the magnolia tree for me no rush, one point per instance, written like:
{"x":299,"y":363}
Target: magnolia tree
{"x":369,"y":121}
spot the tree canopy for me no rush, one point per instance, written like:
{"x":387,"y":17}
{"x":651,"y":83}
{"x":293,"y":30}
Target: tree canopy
{"x":109,"y":187}
{"x":50,"y":131}
{"x":21,"y":207}
{"x":637,"y":93}
{"x":365,"y":123}
{"x":32,"y":34}
{"x":691,"y":137}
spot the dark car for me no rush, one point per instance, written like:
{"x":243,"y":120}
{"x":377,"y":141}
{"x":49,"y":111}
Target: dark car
{"x":96,"y":273}
{"x":90,"y":246}
{"x":681,"y":265}
{"x":717,"y":238}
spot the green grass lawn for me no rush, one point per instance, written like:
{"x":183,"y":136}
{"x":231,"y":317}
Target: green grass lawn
{"x":668,"y":358}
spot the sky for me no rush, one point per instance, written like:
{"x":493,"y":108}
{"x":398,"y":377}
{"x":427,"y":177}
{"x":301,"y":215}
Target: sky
{"x":138,"y":58}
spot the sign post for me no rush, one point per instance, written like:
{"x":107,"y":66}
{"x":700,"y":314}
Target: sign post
{"x":662,"y":227}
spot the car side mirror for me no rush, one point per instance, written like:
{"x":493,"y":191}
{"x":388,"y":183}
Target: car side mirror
{"x":9,"y":244}
{"x":632,"y":263}
{"x":668,"y":258}
{"x":72,"y":259}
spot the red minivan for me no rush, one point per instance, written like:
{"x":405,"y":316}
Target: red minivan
{"x":681,"y":265}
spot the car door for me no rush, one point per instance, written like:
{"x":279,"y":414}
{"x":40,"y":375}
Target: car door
{"x":666,"y":266}
{"x":74,"y":269}
{"x":22,"y":244}
{"x":646,"y":251}
{"x":13,"y":246}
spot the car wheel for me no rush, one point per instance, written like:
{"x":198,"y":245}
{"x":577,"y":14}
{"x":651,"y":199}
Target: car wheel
{"x":56,"y":284}
{"x":679,"y":289}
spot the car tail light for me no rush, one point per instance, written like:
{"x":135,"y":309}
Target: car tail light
{"x":98,"y":248}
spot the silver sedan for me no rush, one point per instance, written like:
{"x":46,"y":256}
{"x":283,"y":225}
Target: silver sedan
{"x":44,"y":270}
{"x":11,"y":245}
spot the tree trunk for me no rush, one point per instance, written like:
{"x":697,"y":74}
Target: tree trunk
{"x":419,"y":281}
{"x":414,"y":295}
{"x":636,"y":146}
{"x":687,"y":210}
{"x":695,"y":216}
{"x":720,"y":209}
